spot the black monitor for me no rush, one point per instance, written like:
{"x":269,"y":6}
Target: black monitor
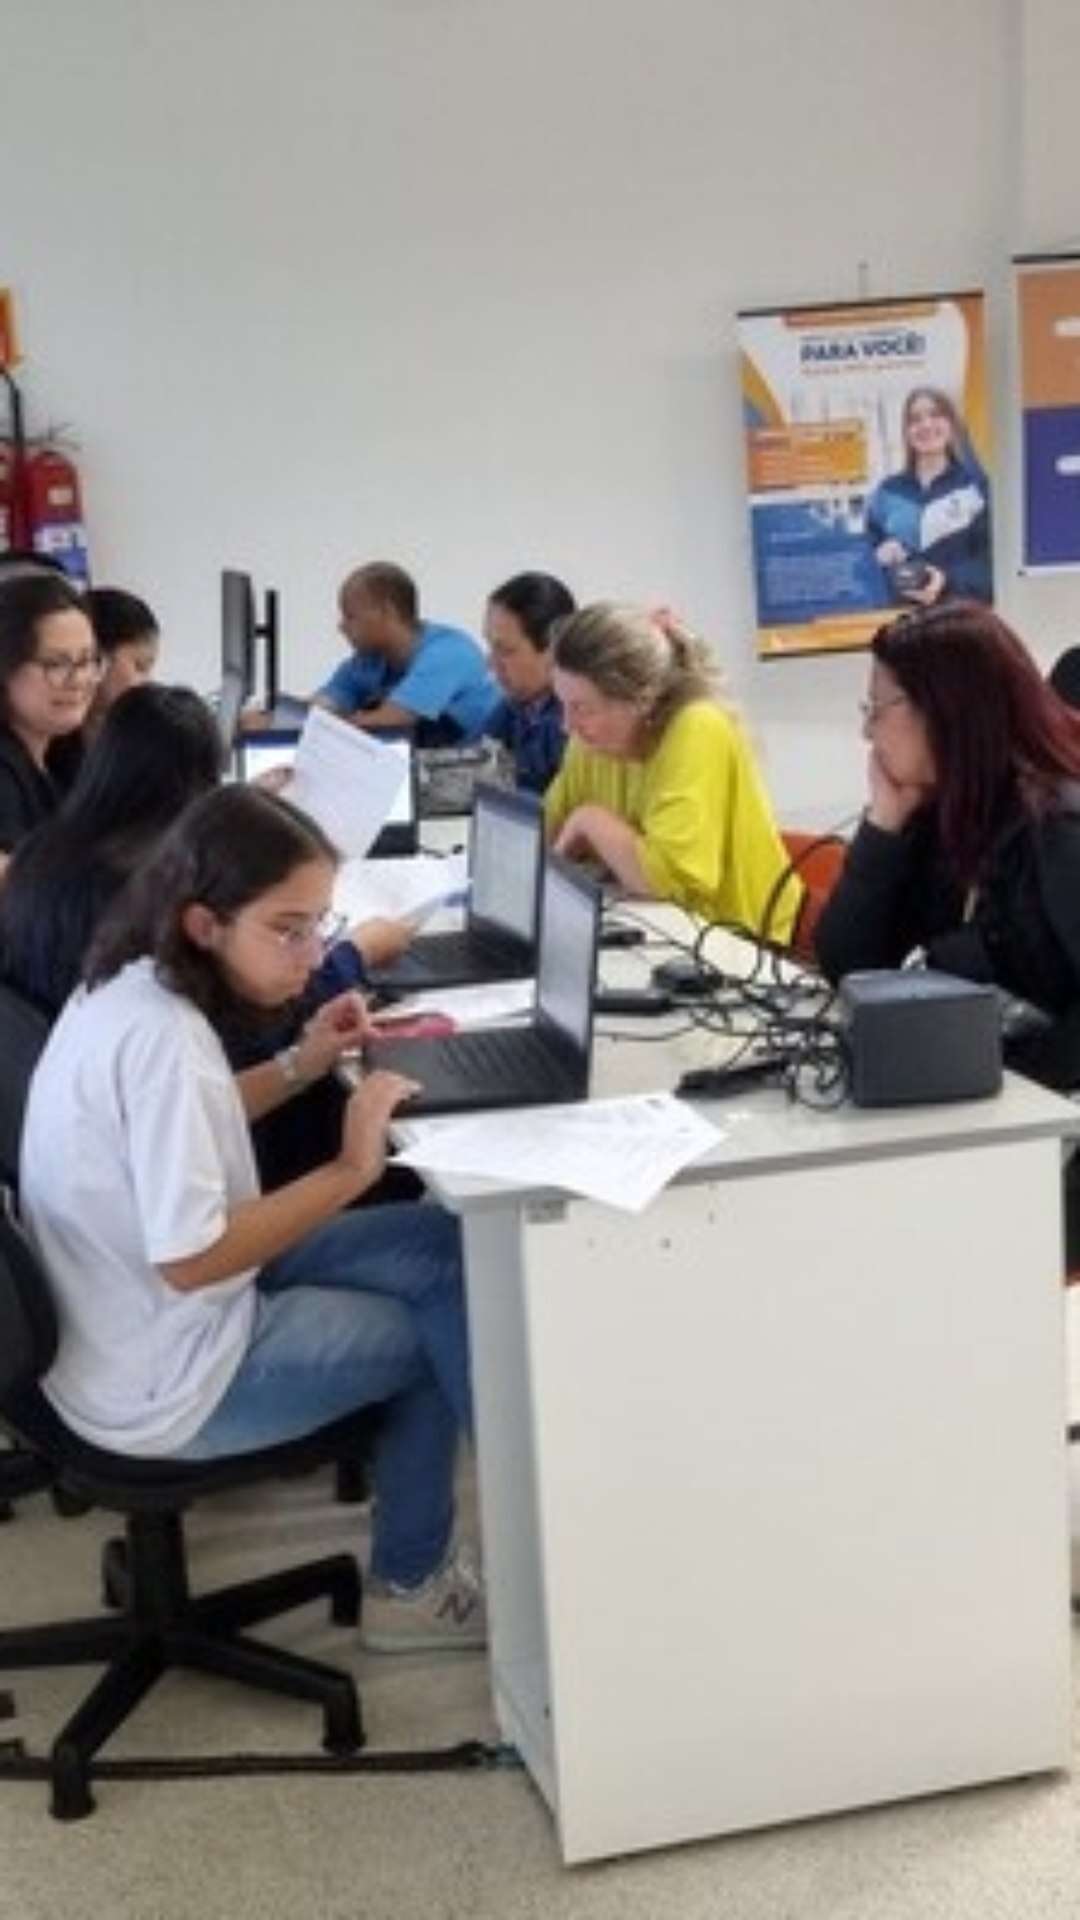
{"x":241,"y":632}
{"x":230,"y":702}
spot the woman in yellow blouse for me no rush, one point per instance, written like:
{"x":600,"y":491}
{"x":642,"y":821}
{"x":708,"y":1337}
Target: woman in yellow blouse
{"x":659,"y":783}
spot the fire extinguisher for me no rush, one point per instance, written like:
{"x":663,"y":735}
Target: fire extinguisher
{"x":54,"y":510}
{"x":13,"y":527}
{"x":7,"y":496}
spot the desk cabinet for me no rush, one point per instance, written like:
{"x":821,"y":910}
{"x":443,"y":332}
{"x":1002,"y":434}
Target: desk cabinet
{"x":772,"y":1477}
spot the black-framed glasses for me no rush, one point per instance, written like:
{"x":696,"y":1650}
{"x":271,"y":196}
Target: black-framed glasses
{"x":63,"y":670}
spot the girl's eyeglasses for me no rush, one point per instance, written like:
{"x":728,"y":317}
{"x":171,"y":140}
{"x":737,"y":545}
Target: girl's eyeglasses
{"x":321,"y":932}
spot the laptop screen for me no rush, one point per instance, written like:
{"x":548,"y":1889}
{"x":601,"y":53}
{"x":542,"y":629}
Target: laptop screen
{"x":507,"y":847}
{"x":566,"y":969}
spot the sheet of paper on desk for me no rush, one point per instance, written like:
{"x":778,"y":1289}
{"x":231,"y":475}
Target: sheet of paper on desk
{"x":622,"y":1152}
{"x":345,"y":779}
{"x":418,"y":888}
{"x":504,"y":1000}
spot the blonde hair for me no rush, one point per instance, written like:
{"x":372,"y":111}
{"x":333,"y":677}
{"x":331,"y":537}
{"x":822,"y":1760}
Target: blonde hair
{"x":649,"y":659}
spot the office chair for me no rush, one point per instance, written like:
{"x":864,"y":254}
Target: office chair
{"x":819,"y":861}
{"x":159,"y":1623}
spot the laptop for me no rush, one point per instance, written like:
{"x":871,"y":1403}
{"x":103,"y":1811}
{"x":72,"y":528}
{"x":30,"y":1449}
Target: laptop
{"x":546,"y":1062}
{"x":506,"y":853}
{"x":398,"y":839}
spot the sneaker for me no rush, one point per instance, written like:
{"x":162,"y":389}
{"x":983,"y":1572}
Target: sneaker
{"x":448,"y":1613}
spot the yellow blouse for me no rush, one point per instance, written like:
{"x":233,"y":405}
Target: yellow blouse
{"x":706,"y":836}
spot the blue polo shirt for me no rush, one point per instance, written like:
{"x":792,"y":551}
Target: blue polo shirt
{"x":446,"y":679}
{"x":534,"y":733}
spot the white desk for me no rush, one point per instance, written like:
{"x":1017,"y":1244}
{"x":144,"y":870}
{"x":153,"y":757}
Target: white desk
{"x":772,"y":1478}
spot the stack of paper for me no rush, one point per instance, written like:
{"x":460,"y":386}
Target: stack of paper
{"x":622,"y":1152}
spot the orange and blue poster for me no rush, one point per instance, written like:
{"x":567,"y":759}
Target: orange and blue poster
{"x":1048,"y":297}
{"x":867,"y":457}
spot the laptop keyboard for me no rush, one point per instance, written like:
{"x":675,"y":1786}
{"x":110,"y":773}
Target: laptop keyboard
{"x":482,"y":1059}
{"x":441,"y":953}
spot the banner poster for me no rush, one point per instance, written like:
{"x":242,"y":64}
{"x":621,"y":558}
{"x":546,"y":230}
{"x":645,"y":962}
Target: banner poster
{"x":867,"y":451}
{"x":1048,"y":301}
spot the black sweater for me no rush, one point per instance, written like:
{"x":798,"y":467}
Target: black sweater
{"x":895,"y":894}
{"x":28,"y":796}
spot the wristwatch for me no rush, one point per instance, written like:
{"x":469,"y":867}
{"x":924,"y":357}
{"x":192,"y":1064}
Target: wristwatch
{"x":288,"y":1064}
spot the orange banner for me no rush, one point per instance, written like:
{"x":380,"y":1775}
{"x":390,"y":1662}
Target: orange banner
{"x":9,"y":340}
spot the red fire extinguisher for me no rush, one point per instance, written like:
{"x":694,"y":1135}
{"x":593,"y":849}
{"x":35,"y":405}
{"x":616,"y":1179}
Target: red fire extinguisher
{"x":13,"y":527}
{"x":8,"y":516}
{"x":54,"y":511}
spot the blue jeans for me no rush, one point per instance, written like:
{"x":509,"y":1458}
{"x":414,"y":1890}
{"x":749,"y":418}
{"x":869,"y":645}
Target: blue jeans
{"x":365,"y":1311}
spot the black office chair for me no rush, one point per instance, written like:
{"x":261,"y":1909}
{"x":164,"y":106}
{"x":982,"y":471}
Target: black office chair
{"x":159,"y":1624}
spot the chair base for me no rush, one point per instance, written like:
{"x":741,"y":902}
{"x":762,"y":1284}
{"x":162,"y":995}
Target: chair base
{"x":163,"y":1626}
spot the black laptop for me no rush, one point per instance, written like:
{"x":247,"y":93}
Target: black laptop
{"x":541,"y":1064}
{"x":506,"y":852}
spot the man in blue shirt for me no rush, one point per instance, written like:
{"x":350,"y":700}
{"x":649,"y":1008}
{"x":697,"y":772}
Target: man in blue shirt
{"x":405,"y":673}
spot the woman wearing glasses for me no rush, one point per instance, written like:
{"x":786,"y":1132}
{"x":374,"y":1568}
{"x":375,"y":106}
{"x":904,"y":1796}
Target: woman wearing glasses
{"x":199,"y":1316}
{"x":49,"y":672}
{"x":969,"y":849}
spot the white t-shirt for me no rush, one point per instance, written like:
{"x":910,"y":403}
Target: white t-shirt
{"x":135,"y":1148}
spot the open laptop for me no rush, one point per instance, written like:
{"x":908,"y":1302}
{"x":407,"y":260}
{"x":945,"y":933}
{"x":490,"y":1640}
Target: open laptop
{"x":546,"y":1062}
{"x":506,"y":852}
{"x":398,"y":839}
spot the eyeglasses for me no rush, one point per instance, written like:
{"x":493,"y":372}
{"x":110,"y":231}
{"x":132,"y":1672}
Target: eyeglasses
{"x":321,"y":932}
{"x":61,"y":670}
{"x":872,"y":710}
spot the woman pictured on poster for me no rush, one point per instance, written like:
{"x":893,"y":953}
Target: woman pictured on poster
{"x":929,"y":524}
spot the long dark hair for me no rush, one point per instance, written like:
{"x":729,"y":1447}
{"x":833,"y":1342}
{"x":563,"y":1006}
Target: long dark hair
{"x":158,"y":748}
{"x":226,"y":850}
{"x":26,"y":599}
{"x":1002,"y":741}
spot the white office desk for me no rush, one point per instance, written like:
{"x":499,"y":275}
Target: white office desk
{"x":772,"y":1477}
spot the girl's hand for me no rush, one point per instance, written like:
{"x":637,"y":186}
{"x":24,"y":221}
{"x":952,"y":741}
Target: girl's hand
{"x":927,"y":596}
{"x":890,"y":553}
{"x":367,"y":1119}
{"x":891,"y":805}
{"x":273,"y":779}
{"x":339,"y":1026}
{"x":378,"y":942}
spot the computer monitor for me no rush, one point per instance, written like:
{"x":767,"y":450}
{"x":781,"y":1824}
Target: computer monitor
{"x":229,"y":703}
{"x":241,"y":632}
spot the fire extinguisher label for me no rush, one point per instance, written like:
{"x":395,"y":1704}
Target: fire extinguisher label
{"x":65,"y":541}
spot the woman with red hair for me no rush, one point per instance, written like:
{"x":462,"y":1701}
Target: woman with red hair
{"x":970,"y":845}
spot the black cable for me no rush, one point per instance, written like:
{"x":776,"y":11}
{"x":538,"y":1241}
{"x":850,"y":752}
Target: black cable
{"x":467,"y":1756}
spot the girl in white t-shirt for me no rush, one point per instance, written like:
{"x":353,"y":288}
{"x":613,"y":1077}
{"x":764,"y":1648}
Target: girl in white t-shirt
{"x":197,"y":1315}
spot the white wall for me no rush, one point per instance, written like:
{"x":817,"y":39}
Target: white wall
{"x":453,"y":282}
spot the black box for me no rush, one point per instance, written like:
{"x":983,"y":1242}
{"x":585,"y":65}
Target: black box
{"x":914,"y":1035}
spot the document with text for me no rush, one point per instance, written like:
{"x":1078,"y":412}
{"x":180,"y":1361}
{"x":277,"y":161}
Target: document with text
{"x":347,"y":780}
{"x":622,"y":1152}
